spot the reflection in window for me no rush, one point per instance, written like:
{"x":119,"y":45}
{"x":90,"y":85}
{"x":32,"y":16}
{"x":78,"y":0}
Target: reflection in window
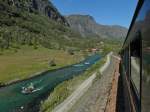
{"x":146,"y":56}
{"x":135,"y":72}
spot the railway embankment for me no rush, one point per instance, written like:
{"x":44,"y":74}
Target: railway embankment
{"x":95,"y":91}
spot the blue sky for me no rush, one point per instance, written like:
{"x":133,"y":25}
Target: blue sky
{"x":107,"y":12}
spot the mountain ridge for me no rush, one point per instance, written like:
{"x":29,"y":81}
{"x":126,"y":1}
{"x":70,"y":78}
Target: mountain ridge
{"x":35,"y":23}
{"x":87,"y":26}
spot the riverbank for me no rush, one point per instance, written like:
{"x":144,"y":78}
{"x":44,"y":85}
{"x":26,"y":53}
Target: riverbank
{"x":66,"y":105}
{"x":96,"y":97}
{"x":63,"y":90}
{"x":28,"y":62}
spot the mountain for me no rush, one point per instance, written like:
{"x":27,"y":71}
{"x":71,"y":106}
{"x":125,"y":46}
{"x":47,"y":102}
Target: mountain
{"x":87,"y":27}
{"x":44,"y":7}
{"x":38,"y":23}
{"x":34,"y":23}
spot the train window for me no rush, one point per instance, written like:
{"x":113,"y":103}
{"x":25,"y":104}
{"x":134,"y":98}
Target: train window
{"x":135,"y":64}
{"x":126,"y":61}
{"x":145,"y":15}
{"x":135,"y":72}
{"x":146,"y":74}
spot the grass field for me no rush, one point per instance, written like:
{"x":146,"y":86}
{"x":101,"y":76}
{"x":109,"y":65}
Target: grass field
{"x":28,"y":61}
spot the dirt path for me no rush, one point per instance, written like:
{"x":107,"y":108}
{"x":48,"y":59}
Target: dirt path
{"x":96,"y":97}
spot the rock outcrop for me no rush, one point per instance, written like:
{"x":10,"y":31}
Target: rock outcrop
{"x":44,"y":7}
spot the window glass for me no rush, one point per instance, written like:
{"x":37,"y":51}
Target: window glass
{"x":146,"y":56}
{"x":135,"y":72}
{"x":135,"y":62}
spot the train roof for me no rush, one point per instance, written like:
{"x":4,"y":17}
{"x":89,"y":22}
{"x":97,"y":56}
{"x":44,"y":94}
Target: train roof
{"x":128,"y":39}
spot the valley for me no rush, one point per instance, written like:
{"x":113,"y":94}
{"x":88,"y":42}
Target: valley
{"x":45,"y":56}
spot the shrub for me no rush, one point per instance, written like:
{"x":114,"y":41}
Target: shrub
{"x":52,"y":63}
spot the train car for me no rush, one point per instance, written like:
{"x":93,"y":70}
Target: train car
{"x":135,"y":65}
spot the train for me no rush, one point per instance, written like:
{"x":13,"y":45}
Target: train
{"x":135,"y":63}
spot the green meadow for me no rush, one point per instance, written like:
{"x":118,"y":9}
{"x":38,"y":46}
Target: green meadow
{"x":28,"y":61}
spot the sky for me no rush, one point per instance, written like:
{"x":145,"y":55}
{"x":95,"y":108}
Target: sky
{"x":106,"y":12}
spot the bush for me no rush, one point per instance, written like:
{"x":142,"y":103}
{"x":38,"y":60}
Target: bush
{"x":52,"y":63}
{"x":2,"y":84}
{"x":71,"y":52}
{"x":60,"y":93}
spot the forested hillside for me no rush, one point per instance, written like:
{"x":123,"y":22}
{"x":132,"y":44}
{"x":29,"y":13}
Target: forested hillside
{"x":35,"y":23}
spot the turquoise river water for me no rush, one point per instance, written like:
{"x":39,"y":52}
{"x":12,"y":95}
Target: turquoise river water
{"x":13,"y":100}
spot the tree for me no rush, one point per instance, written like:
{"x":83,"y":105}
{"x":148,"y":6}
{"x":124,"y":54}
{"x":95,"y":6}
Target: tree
{"x":52,"y":63}
{"x":1,"y":44}
{"x":7,"y":37}
{"x":35,"y":43}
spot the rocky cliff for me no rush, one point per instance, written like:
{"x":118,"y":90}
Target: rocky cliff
{"x":44,"y":7}
{"x":87,"y":26}
{"x":34,"y":23}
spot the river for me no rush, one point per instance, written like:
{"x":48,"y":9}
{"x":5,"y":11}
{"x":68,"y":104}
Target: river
{"x":13,"y":100}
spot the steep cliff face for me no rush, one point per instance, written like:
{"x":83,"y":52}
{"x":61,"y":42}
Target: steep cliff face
{"x":87,"y":26}
{"x":44,"y":7}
